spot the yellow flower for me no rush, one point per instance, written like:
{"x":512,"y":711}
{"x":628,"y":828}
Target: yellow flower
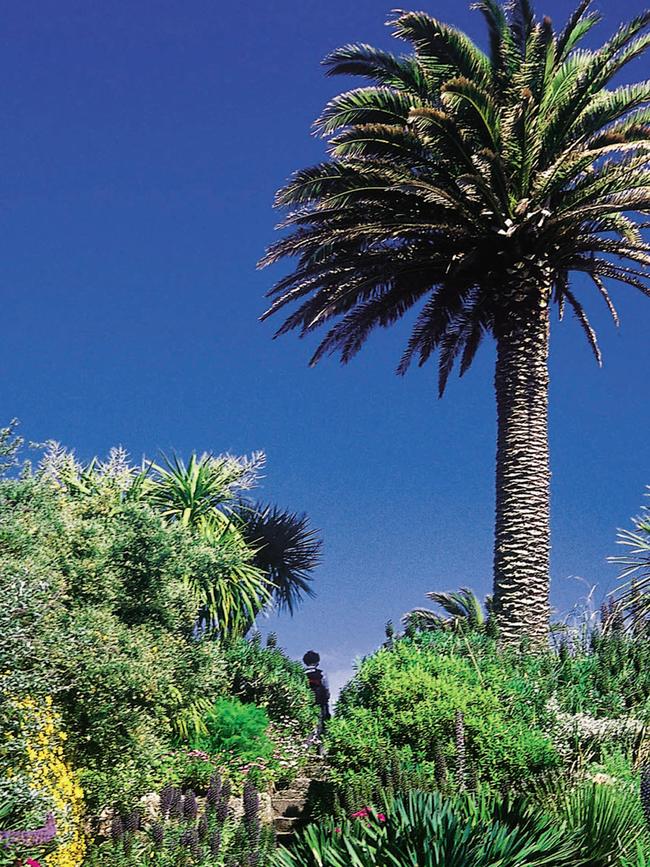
{"x":50,"y":775}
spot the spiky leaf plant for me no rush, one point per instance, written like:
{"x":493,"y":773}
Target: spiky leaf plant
{"x":463,"y":607}
{"x":287,"y":550}
{"x":472,"y":186}
{"x":429,"y":830}
{"x":636,"y":564}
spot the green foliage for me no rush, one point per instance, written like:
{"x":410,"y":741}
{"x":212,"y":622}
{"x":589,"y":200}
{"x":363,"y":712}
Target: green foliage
{"x":525,"y":714}
{"x":406,"y":697}
{"x":264,"y":553}
{"x":205,"y":490}
{"x":10,"y":445}
{"x":287,"y":550}
{"x":267,"y":677}
{"x":428,"y":830}
{"x":607,"y":821}
{"x":641,"y":858}
{"x":98,"y":615}
{"x":611,"y":677}
{"x":103,"y":583}
{"x":235,"y":729}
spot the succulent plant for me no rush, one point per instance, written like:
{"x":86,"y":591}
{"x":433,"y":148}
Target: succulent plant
{"x":133,"y":820}
{"x":202,"y":828}
{"x":214,"y":790}
{"x":222,"y":809}
{"x":157,"y":834}
{"x":176,"y":807}
{"x":190,"y":840}
{"x":251,"y":800}
{"x":645,"y":792}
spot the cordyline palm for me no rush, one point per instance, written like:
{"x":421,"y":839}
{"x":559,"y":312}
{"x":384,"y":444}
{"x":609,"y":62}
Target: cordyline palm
{"x":286,"y":549}
{"x":472,"y":185}
{"x":279,"y":547}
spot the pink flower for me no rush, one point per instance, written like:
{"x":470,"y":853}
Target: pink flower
{"x":337,"y":830}
{"x":361,"y":814}
{"x":381,"y":817}
{"x":198,"y":754}
{"x":31,"y":863}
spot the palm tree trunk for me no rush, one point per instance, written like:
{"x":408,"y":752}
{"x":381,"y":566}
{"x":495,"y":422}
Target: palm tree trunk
{"x":522,"y":538}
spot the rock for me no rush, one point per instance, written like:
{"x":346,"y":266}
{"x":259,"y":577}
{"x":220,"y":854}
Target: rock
{"x":150,"y":804}
{"x":266,"y":808}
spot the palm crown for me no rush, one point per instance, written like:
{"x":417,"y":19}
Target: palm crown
{"x":474,"y":183}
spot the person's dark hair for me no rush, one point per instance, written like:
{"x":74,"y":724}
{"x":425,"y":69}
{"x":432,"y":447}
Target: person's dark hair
{"x":311,"y":658}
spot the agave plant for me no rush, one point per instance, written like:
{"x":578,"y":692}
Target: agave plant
{"x":472,"y":186}
{"x":429,"y":830}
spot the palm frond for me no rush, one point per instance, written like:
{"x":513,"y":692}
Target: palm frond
{"x":366,"y":105}
{"x":474,"y":109}
{"x":443,"y":51}
{"x":582,"y":318}
{"x":386,"y":69}
{"x":577,"y":27}
{"x":287,"y":550}
{"x":522,"y":22}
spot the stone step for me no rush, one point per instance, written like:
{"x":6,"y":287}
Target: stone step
{"x":288,"y":806}
{"x":302,"y":782}
{"x":290,"y":795}
{"x":285,"y":824}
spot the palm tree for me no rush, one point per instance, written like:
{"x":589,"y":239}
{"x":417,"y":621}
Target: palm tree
{"x":287,"y":550}
{"x":636,"y":565}
{"x":473,"y":185}
{"x":274,"y":546}
{"x":463,"y":607}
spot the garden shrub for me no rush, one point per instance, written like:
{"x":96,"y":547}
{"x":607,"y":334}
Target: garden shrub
{"x":100,"y":618}
{"x":98,"y":610}
{"x":268,"y":678}
{"x":610,"y":677}
{"x":235,"y":729}
{"x":525,"y":714}
{"x":407,"y":698}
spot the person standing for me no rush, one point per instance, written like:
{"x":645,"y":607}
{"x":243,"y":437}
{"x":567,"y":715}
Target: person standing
{"x":319,"y":686}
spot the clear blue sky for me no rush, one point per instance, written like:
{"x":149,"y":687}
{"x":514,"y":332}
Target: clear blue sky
{"x":142,"y":144}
